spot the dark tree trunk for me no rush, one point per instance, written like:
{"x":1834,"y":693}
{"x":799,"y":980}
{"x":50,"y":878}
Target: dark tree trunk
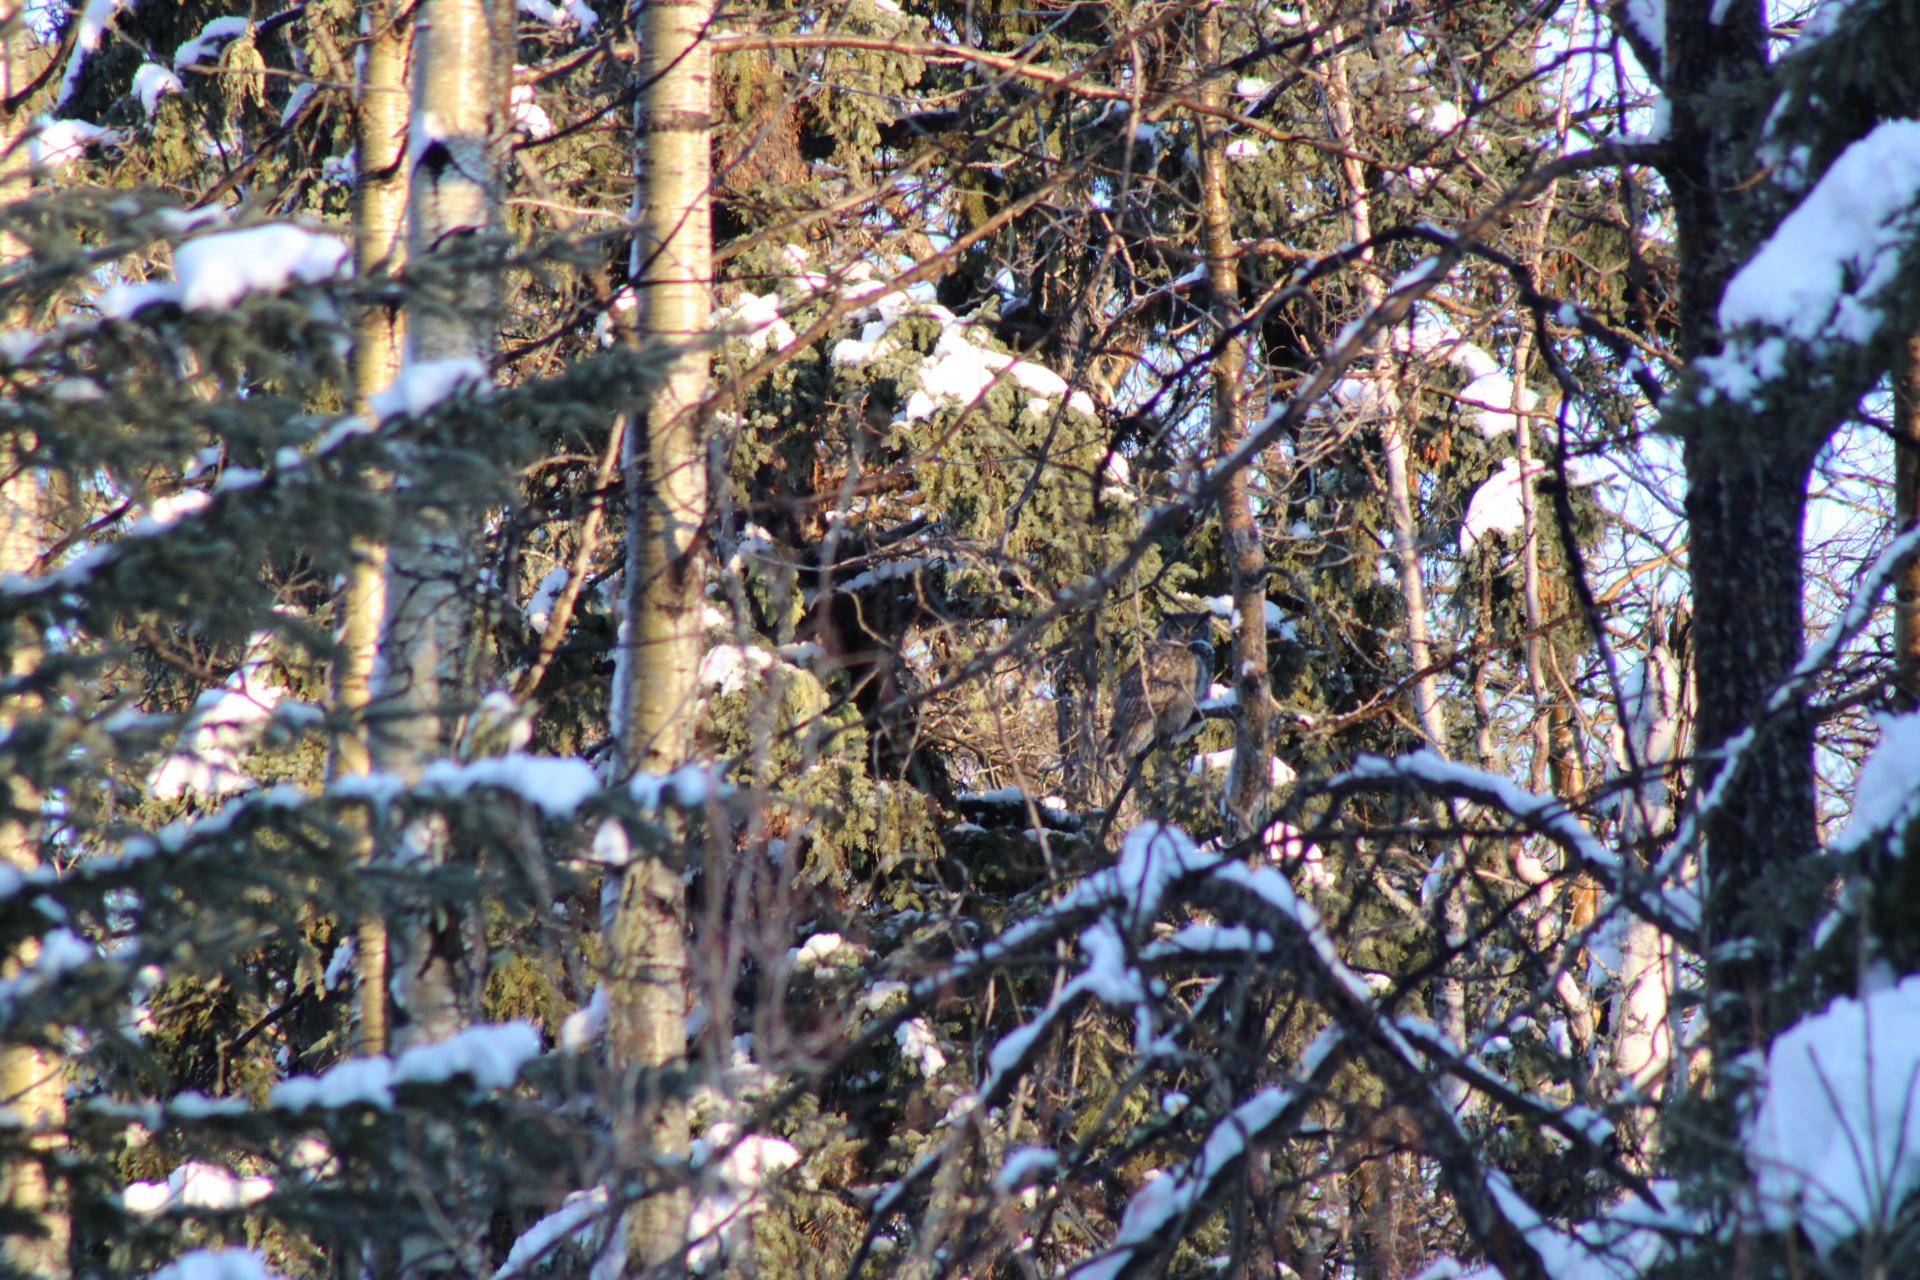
{"x":1744,"y":508}
{"x":1746,"y":500}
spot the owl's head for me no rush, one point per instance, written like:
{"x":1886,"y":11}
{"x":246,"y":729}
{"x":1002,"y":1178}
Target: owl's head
{"x":1195,"y":630}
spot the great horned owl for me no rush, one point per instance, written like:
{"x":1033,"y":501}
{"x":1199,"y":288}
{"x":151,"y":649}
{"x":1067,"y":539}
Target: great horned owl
{"x":1155,"y":698}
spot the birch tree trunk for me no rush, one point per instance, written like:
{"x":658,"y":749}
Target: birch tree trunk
{"x":1249,"y":776}
{"x":32,"y":1082}
{"x":379,"y":249}
{"x":1652,"y":738}
{"x":453,"y":196}
{"x":666,"y":478}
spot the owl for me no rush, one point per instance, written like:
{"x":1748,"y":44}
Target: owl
{"x":1156,"y":696}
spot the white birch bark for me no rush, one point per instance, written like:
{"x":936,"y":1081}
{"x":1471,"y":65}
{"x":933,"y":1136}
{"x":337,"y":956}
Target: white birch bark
{"x":423,"y":682}
{"x":379,"y":249}
{"x":1652,"y":738}
{"x":666,"y":476}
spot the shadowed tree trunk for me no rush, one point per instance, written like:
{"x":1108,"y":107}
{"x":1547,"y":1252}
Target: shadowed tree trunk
{"x":1906,"y":508}
{"x":1746,"y":501}
{"x":32,"y":1082}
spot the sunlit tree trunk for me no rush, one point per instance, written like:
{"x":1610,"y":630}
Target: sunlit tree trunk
{"x":1653,"y":736}
{"x":452,"y":197}
{"x":666,"y":476}
{"x":32,"y":1083}
{"x":1248,"y":778}
{"x":379,"y":249}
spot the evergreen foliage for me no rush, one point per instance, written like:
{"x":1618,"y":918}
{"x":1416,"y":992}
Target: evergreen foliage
{"x":963,"y":995}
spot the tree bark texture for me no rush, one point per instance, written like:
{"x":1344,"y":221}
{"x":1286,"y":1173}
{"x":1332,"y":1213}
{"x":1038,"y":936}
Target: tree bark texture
{"x":379,"y":249}
{"x":1746,"y":501}
{"x":32,"y":1080}
{"x":666,"y":478}
{"x":1249,"y":777}
{"x":1906,"y":509}
{"x":453,"y":196}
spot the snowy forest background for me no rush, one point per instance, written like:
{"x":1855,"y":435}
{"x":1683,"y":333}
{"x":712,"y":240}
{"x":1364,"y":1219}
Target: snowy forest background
{"x":565,"y":576}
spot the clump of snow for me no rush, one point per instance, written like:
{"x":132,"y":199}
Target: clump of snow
{"x":1496,"y":506}
{"x":1278,"y":623}
{"x":212,"y":39}
{"x":1440,"y":117}
{"x":90,"y":27}
{"x":756,"y":317}
{"x":1889,"y":787}
{"x":62,"y":951}
{"x":55,"y":143}
{"x":1022,"y":1167}
{"x":739,"y":1165}
{"x":557,"y":785}
{"x":195,"y":1186}
{"x":226,"y":720}
{"x":1279,"y":772}
{"x":578,"y":12}
{"x":586,"y":1024}
{"x":1819,"y":278}
{"x":1364,"y":396}
{"x":301,"y":95}
{"x":529,"y":117}
{"x":689,"y":785}
{"x":150,"y":82}
{"x":1288,"y":846}
{"x":540,"y":604}
{"x":217,"y":1264}
{"x":422,"y":384}
{"x":492,"y":1055}
{"x":1488,"y":389}
{"x":1835,"y":1143}
{"x":219,"y":270}
{"x":1251,"y":88}
{"x":581,"y":1217}
{"x":818,"y":951}
{"x":959,"y":372}
{"x":728,"y":667}
{"x":1649,"y":21}
{"x":340,"y":964}
{"x":920,"y":1046}
{"x":1165,"y":1198}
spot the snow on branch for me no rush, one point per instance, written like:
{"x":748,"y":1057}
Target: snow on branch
{"x":1792,"y":691}
{"x":492,"y":1057}
{"x":1834,"y":1144}
{"x":216,"y":271}
{"x":1167,"y":1201}
{"x":1547,"y":815}
{"x":217,"y":1264}
{"x":1821,"y":280}
{"x":1258,"y":913}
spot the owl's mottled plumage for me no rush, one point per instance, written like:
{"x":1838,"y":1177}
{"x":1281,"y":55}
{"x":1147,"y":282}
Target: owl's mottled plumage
{"x":1156,"y":696}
